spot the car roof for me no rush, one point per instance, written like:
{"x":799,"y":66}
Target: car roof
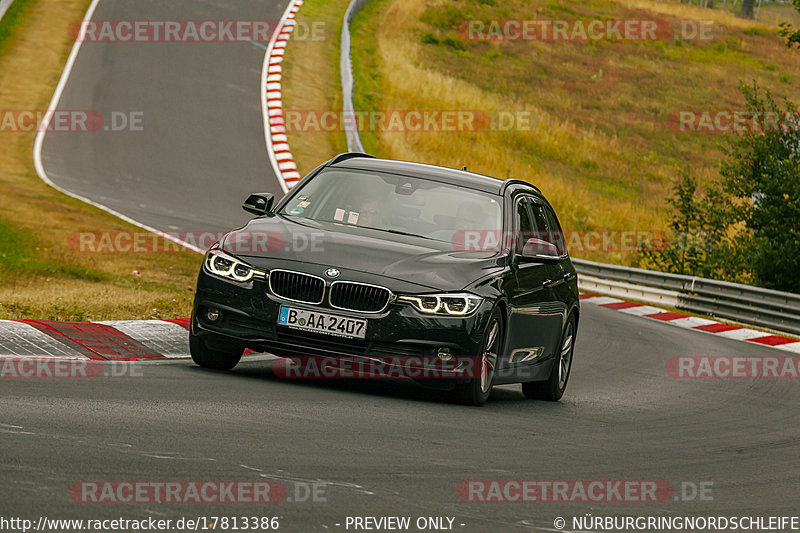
{"x":451,"y":176}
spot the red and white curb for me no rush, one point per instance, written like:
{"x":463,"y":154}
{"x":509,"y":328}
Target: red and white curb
{"x":705,"y":325}
{"x":280,"y":155}
{"x":128,"y":340}
{"x":134,"y":340}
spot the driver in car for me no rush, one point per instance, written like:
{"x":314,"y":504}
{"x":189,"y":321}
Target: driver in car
{"x":368,"y":214}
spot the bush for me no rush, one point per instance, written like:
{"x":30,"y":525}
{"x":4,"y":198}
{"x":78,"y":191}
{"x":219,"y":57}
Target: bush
{"x":746,"y":226}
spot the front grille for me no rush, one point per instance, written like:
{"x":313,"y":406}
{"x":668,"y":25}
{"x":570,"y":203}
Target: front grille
{"x":359,"y":297}
{"x":297,"y":286}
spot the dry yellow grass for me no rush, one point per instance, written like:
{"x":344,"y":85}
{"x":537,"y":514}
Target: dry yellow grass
{"x":409,"y":84}
{"x":58,"y":299}
{"x":600,"y":145}
{"x":41,"y":275}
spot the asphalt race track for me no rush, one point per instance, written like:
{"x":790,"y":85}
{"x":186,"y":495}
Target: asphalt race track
{"x":201,"y":147}
{"x":392,"y":447}
{"x":370,"y":447}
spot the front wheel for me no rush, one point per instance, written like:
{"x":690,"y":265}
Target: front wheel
{"x":476,"y":391}
{"x":553,"y":389}
{"x":207,"y":357}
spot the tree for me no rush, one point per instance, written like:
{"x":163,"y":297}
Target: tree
{"x":791,"y":34}
{"x":760,"y":190}
{"x":748,"y":7}
{"x":746,"y":226}
{"x":686,"y":251}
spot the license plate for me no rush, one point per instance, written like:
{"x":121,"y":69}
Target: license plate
{"x":340,"y":326}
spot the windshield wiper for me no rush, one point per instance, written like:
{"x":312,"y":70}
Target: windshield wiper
{"x":398,"y":232}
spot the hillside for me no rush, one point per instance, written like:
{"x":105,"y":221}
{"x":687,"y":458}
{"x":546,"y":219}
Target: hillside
{"x":603,"y":126}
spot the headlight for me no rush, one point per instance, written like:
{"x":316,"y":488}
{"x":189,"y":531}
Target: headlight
{"x":445,"y":304}
{"x":226,"y":266}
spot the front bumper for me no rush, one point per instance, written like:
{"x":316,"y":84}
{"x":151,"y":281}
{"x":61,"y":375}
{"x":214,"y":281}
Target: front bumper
{"x":249,"y":316}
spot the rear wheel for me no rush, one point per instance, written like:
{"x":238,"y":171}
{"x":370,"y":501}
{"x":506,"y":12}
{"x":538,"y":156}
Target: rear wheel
{"x":476,"y":391}
{"x":216,"y":359}
{"x":553,"y":389}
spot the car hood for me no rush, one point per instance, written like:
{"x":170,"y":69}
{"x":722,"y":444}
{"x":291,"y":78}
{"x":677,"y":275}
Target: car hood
{"x":274,"y":240}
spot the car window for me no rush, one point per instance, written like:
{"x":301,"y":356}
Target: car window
{"x":540,"y":222}
{"x":547,"y":228}
{"x":525,"y":227}
{"x":557,"y":236}
{"x":390,"y":202}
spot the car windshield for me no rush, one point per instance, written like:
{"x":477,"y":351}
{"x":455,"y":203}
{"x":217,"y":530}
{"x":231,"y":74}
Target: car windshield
{"x":394,"y":203}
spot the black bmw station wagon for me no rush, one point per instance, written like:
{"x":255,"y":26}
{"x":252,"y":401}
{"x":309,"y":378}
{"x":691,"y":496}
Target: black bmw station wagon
{"x":458,"y":275}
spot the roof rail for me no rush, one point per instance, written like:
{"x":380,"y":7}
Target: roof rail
{"x":509,"y":182}
{"x":348,"y":155}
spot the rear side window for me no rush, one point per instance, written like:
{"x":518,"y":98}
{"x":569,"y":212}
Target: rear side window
{"x":555,"y":230}
{"x":525,"y":227}
{"x":541,"y":222}
{"x":547,"y":227}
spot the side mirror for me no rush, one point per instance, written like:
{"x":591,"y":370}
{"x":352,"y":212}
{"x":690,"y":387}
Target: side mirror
{"x":259,"y":203}
{"x":539,"y":250}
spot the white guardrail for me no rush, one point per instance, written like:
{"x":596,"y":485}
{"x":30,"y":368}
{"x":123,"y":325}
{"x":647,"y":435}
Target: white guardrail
{"x":346,"y":71}
{"x":770,"y":309}
{"x":4,"y":5}
{"x":775,"y":310}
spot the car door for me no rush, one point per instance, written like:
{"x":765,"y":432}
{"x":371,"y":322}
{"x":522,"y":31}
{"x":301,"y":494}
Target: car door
{"x":564,"y":272}
{"x":535,"y":317}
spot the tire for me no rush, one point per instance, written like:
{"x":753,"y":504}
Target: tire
{"x":477,"y":390}
{"x":206,"y":357}
{"x":553,"y":389}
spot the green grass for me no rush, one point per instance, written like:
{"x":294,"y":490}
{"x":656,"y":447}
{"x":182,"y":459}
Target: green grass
{"x":22,"y":255}
{"x":12,"y":21}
